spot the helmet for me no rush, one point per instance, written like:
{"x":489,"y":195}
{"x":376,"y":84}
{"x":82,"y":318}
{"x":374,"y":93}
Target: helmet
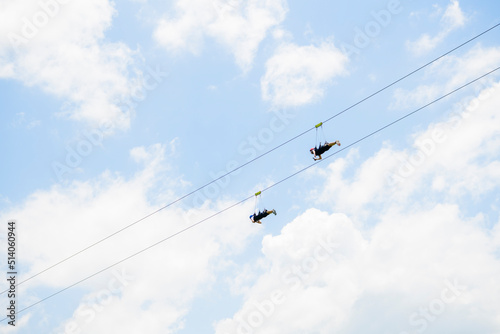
{"x":311,"y":150}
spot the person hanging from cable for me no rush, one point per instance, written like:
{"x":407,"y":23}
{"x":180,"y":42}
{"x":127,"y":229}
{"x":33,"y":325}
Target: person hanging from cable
{"x":256,"y":217}
{"x":319,"y":149}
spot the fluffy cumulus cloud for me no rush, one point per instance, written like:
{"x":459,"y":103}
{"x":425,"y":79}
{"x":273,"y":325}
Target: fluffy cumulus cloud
{"x":299,"y":263}
{"x":414,"y":249}
{"x":447,"y":74}
{"x":151,"y":292}
{"x":452,"y":19}
{"x":240,"y":26}
{"x":59,"y":47}
{"x":298,"y":75}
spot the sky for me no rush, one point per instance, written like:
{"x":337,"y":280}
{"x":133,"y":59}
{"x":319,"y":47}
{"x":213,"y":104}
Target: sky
{"x":112,"y":111}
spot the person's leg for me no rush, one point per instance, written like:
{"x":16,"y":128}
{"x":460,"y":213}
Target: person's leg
{"x":334,"y":143}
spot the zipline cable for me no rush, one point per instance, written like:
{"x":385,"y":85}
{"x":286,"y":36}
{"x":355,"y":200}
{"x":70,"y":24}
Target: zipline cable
{"x":413,"y":72}
{"x":252,"y":160}
{"x":265,"y":189}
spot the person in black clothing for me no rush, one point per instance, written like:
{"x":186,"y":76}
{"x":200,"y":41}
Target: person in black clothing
{"x":256,"y":217}
{"x":318,"y":151}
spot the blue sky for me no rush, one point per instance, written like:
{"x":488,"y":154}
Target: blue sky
{"x":111,"y":111}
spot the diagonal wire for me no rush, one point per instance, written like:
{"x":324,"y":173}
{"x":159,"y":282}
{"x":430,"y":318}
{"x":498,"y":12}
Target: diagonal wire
{"x":252,"y":160}
{"x":413,"y":72}
{"x":265,"y":189}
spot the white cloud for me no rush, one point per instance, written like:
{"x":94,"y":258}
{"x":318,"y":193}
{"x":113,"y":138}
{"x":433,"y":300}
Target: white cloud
{"x":452,"y":19}
{"x":456,"y":156}
{"x":283,"y":299}
{"x":60,"y":48}
{"x":447,"y":74}
{"x":297,"y":75}
{"x":164,"y":280}
{"x":239,"y":26}
{"x":406,"y":257}
{"x":381,"y":281}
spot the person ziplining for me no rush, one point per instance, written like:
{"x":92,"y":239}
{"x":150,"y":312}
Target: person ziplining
{"x":256,"y":217}
{"x":319,"y":149}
